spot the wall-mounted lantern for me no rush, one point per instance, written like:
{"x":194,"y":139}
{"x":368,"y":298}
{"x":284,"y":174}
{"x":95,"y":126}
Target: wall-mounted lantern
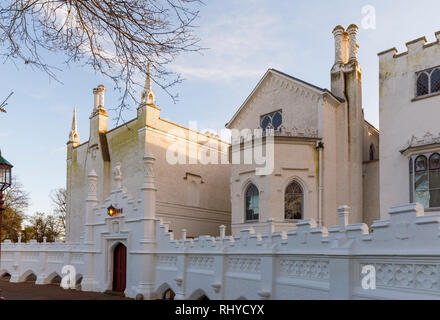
{"x":112,"y":211}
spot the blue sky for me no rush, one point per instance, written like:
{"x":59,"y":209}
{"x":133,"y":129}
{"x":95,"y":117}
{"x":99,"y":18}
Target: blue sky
{"x":244,"y":37}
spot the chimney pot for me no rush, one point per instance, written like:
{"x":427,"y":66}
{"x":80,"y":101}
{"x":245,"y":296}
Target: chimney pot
{"x":353,"y":46}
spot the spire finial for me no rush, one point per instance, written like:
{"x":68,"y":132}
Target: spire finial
{"x":74,"y":136}
{"x":148,"y":94}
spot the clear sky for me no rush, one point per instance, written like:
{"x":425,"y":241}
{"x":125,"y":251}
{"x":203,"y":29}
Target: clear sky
{"x":244,"y":37}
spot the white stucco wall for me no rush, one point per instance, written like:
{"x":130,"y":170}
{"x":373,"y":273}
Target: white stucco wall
{"x":401,"y":116}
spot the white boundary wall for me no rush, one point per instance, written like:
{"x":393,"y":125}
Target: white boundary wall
{"x":305,"y":263}
{"x":308,"y":263}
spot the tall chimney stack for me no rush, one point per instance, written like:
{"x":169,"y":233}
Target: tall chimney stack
{"x":338,"y":32}
{"x":96,"y":99}
{"x":101,"y":92}
{"x":354,"y":48}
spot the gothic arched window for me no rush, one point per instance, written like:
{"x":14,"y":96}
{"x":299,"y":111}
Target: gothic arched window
{"x":371,"y":152}
{"x":421,"y":185}
{"x":428,"y":82}
{"x":252,"y":203}
{"x":422,"y":84}
{"x":435,"y":81}
{"x":293,"y":201}
{"x":434,"y":180}
{"x":272,"y":120}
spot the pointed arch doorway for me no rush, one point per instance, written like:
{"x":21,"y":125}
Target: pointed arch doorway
{"x":119,"y":268}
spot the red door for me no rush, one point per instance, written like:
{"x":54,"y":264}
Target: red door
{"x":119,"y":268}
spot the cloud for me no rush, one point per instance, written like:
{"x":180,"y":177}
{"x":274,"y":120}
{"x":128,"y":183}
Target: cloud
{"x":4,"y":134}
{"x":215,"y":73}
{"x":58,"y":149}
{"x":238,"y":46}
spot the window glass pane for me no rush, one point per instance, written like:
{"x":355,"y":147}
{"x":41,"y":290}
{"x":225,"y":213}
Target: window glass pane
{"x":252,"y":200}
{"x":293,"y":202}
{"x":434,"y":200}
{"x":274,"y":120}
{"x":422,"y":84}
{"x":434,"y":179}
{"x":277,"y":120}
{"x":421,"y":164}
{"x":265,"y":122}
{"x":434,"y":161}
{"x":293,"y":206}
{"x":435,"y":81}
{"x":421,"y":188}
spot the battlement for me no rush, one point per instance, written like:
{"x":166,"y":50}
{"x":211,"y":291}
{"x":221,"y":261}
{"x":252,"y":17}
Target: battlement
{"x":413,"y":46}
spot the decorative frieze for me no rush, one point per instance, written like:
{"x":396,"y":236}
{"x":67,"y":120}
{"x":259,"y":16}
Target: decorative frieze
{"x":301,"y":268}
{"x":55,"y":257}
{"x":422,"y":276}
{"x":245,"y":265}
{"x":201,"y":262}
{"x":167,"y":260}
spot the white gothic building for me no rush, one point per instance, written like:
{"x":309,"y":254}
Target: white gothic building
{"x":148,"y":217}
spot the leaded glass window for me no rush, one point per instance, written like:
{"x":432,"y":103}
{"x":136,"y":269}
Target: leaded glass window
{"x":422,"y":84}
{"x":428,"y":82}
{"x":421,"y":185}
{"x":293,"y":201}
{"x":435,"y":81}
{"x":252,"y":203}
{"x":434,"y":180}
{"x":272,"y":120}
{"x":424,"y":177}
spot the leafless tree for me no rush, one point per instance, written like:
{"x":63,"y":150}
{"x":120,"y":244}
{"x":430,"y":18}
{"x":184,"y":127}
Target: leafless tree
{"x":116,"y":38}
{"x":59,"y":201}
{"x":16,"y":202}
{"x":16,"y":197}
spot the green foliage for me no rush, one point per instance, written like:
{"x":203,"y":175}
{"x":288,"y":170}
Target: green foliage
{"x":42,"y":226}
{"x":16,"y":201}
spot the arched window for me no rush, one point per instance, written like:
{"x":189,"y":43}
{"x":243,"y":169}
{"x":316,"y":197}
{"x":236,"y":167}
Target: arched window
{"x":293,"y":201}
{"x":371,"y":152}
{"x":435,"y":81}
{"x":272,"y":120}
{"x":252,"y":203}
{"x":168,"y":295}
{"x":421,"y":185}
{"x":422,"y":84}
{"x":434,"y":180}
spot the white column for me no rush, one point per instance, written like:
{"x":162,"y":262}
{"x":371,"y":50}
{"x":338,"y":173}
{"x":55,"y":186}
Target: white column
{"x":146,"y":262}
{"x":89,"y":282}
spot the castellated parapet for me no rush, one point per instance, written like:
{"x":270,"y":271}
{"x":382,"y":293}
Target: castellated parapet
{"x":415,"y":46}
{"x":405,"y":113}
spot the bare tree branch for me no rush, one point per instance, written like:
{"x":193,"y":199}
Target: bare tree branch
{"x":59,"y":201}
{"x":5,"y":103}
{"x":116,"y":38}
